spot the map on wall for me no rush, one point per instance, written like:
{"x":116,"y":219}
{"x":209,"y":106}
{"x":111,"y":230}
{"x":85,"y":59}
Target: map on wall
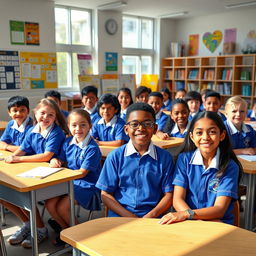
{"x":212,"y":40}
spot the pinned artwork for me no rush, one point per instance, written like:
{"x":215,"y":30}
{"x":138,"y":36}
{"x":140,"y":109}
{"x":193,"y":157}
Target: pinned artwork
{"x":212,"y":40}
{"x":249,"y":44}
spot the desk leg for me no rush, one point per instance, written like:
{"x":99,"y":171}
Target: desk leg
{"x":249,"y":203}
{"x":72,"y":202}
{"x":33,"y":223}
{"x":3,"y":223}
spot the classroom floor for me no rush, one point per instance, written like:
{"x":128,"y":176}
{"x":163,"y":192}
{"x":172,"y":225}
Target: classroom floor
{"x":46,"y":247}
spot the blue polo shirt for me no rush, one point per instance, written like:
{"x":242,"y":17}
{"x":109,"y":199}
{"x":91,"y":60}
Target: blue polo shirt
{"x":65,"y":113}
{"x":123,"y":114}
{"x":48,"y":141}
{"x":93,"y":114}
{"x":202,"y":185}
{"x":175,"y":132}
{"x":114,"y":130}
{"x":161,"y":119}
{"x":223,"y":117}
{"x":14,"y":134}
{"x":251,"y":114}
{"x":167,"y":105}
{"x":137,"y":183}
{"x":241,"y":139}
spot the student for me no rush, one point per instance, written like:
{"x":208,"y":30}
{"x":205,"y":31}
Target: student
{"x":14,"y":133}
{"x":136,"y":178}
{"x":79,"y":152}
{"x":206,"y":174}
{"x":251,"y":114}
{"x":41,"y":143}
{"x":179,"y":115}
{"x":203,"y":93}
{"x":124,"y":96}
{"x":56,"y":96}
{"x":89,"y":100}
{"x":212,"y":103}
{"x":109,"y":130}
{"x":156,"y":102}
{"x":194,"y":100}
{"x":142,"y":94}
{"x":180,"y":94}
{"x":242,"y":136}
{"x":167,"y":95}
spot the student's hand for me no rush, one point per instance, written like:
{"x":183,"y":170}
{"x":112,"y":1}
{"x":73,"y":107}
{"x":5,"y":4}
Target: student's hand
{"x":12,"y":159}
{"x":173,"y":217}
{"x":162,"y":135}
{"x":55,"y":163}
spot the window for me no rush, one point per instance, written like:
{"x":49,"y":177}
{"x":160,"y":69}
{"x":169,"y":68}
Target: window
{"x":138,"y":46}
{"x":73,"y":35}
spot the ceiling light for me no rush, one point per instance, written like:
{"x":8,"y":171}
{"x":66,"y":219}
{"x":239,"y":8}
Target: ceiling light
{"x":172,"y":15}
{"x":112,"y":5}
{"x":229,"y":6}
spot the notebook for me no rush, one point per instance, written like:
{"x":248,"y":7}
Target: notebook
{"x":39,"y":172}
{"x":250,"y":158}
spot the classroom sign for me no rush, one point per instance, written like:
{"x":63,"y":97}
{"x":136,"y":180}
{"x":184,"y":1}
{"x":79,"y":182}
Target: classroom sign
{"x":38,"y":70}
{"x":212,"y":40}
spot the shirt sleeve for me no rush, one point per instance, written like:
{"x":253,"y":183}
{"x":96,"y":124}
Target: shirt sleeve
{"x":92,"y":158}
{"x":6,"y":135}
{"x":94,"y":132}
{"x":26,"y":145}
{"x":253,"y":136}
{"x":62,"y":155}
{"x":168,"y":174}
{"x":162,"y":122}
{"x":54,"y":141}
{"x":119,"y":132}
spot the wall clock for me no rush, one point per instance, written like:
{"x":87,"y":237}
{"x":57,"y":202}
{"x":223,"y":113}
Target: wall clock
{"x":111,"y":26}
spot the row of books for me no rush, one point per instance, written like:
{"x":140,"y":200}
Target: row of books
{"x":179,"y":85}
{"x":209,"y":74}
{"x":168,"y":74}
{"x":245,"y":75}
{"x":223,"y":88}
{"x":180,"y":74}
{"x":193,"y":87}
{"x":246,"y":90}
{"x":193,"y":74}
{"x":227,"y":74}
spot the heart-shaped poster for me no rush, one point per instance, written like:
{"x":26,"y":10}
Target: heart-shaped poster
{"x":212,"y":40}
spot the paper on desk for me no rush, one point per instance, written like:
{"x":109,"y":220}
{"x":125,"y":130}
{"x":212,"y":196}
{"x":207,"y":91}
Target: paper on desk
{"x":39,"y":172}
{"x":251,"y":158}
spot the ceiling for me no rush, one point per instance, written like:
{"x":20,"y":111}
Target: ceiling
{"x":155,"y":8}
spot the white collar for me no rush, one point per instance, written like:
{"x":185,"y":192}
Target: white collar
{"x":45,"y":133}
{"x":130,"y":149}
{"x":90,"y":111}
{"x":253,"y":114}
{"x":81,"y":144}
{"x":22,"y":127}
{"x":176,"y":129}
{"x":233,"y":129}
{"x":197,"y":159}
{"x":166,"y":102}
{"x":158,"y":115}
{"x":123,"y":111}
{"x":111,"y":123}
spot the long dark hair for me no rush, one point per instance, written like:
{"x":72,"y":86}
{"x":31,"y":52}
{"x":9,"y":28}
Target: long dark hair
{"x":226,"y":152}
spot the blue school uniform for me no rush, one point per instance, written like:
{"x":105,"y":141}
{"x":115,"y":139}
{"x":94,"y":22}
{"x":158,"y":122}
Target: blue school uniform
{"x":65,"y":113}
{"x":137,"y":183}
{"x":93,"y":114}
{"x":251,"y":114}
{"x":175,"y":132}
{"x":191,"y":115}
{"x":241,"y":139}
{"x":50,"y":140}
{"x":114,"y":130}
{"x":223,"y":117}
{"x":167,"y":105}
{"x":123,"y":114}
{"x":202,"y":107}
{"x":14,"y":134}
{"x":161,"y":119}
{"x":85,"y":155}
{"x":202,"y":185}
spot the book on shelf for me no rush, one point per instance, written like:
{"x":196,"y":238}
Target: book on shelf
{"x":179,"y":85}
{"x":223,"y":88}
{"x":193,"y":74}
{"x":180,"y":74}
{"x":193,"y":87}
{"x":246,"y":90}
{"x":227,"y":74}
{"x":209,"y":74}
{"x":208,"y":85}
{"x":168,"y":74}
{"x":245,"y":75}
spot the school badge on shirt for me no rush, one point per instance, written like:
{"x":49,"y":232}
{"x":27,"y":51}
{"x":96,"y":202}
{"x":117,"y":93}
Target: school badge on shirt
{"x":213,"y":185}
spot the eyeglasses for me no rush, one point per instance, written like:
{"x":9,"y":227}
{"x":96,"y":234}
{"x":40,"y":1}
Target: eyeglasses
{"x":144,"y":124}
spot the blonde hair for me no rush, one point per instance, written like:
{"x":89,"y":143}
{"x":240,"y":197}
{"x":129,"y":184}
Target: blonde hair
{"x":60,"y":119}
{"x":235,"y":100}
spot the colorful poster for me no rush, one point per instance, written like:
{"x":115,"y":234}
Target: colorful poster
{"x":17,"y":32}
{"x":230,"y":35}
{"x":212,"y":40}
{"x":86,"y":80}
{"x":150,"y":81}
{"x":110,"y":83}
{"x":38,"y":70}
{"x":9,"y":70}
{"x":193,"y":45}
{"x":111,"y":61}
{"x":32,"y":33}
{"x":85,"y":64}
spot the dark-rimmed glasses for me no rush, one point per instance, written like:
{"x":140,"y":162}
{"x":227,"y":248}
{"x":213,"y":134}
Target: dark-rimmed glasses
{"x":144,"y":124}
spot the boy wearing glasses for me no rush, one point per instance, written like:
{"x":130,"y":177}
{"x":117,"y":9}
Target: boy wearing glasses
{"x":136,"y":179}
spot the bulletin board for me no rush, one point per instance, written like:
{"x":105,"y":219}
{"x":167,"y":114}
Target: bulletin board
{"x":85,"y":80}
{"x":110,"y":83}
{"x":9,"y":70}
{"x":38,"y":70}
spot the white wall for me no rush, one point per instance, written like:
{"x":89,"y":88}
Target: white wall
{"x":243,"y":20}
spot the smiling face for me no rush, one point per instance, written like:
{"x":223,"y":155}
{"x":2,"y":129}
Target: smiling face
{"x":124,"y":99}
{"x":156,"y":103}
{"x":78,"y":126}
{"x":141,"y":136}
{"x":179,"y":114}
{"x":45,"y":116}
{"x":206,"y":136}
{"x":212,"y":104}
{"x":143,"y":97}
{"x":89,"y":100}
{"x":193,"y":105}
{"x":107,"y":112}
{"x":19,"y":114}
{"x":165,"y":96}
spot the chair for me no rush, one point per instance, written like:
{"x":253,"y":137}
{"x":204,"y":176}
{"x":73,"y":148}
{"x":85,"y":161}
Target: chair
{"x":2,"y":245}
{"x":236,"y":213}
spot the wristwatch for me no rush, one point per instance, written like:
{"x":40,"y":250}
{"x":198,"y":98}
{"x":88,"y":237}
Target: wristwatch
{"x":191,"y":214}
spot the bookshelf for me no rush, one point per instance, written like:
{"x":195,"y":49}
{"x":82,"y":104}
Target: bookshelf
{"x":228,"y":74}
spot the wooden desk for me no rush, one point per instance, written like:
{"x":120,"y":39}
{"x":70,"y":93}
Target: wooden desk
{"x":3,"y":125}
{"x":139,"y":237}
{"x":25,"y":192}
{"x":172,"y":142}
{"x":249,"y":168}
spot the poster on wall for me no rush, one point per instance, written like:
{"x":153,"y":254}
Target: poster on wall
{"x":193,"y":45}
{"x":111,"y":61}
{"x":212,"y":40}
{"x":38,"y":70}
{"x":85,"y":80}
{"x":85,"y":64}
{"x":110,"y":83}
{"x":32,"y":33}
{"x":17,"y":32}
{"x":229,"y":45}
{"x":249,"y":44}
{"x":9,"y":70}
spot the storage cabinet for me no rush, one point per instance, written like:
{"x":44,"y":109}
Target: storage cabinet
{"x":229,"y":75}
